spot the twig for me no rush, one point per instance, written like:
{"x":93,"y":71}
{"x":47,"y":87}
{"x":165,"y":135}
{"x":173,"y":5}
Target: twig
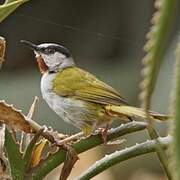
{"x":2,"y":50}
{"x":26,"y":138}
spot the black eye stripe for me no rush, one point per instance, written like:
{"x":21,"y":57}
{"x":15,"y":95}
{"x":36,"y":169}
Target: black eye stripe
{"x":53,"y":48}
{"x":47,"y":50}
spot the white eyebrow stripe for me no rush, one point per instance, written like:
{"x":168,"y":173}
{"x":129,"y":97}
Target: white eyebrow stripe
{"x":45,"y":45}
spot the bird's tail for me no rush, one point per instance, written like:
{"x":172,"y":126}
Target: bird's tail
{"x":130,"y":111}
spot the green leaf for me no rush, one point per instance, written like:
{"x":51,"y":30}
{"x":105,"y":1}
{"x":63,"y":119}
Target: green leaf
{"x":14,"y":157}
{"x":8,"y":7}
{"x":9,"y":1}
{"x":122,"y":155}
{"x":175,"y":151}
{"x":155,"y":47}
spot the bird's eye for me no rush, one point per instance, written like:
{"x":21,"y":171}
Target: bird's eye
{"x":49,"y":51}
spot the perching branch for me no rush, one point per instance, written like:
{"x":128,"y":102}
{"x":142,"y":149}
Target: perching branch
{"x":54,"y":160}
{"x":122,"y":155}
{"x":21,"y":122}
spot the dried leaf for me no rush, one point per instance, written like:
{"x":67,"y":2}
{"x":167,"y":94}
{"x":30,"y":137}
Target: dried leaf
{"x":14,"y":118}
{"x":37,"y":152}
{"x":32,"y":108}
{"x":4,"y":170}
{"x":2,"y":50}
{"x":2,"y":137}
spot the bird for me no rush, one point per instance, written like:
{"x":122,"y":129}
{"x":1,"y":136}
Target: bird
{"x":78,"y":96}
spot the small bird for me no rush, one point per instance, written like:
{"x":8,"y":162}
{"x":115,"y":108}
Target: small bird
{"x":77,"y":96}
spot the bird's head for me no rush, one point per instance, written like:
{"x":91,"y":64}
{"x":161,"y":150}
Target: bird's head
{"x":51,"y":57}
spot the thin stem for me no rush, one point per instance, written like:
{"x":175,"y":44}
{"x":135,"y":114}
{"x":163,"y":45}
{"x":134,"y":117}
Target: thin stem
{"x":2,"y":50}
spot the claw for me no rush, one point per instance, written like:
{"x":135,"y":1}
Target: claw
{"x":103,"y":132}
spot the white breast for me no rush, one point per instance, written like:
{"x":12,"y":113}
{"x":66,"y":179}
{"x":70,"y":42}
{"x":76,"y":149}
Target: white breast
{"x":54,"y":101}
{"x":46,"y":86}
{"x":67,"y":108}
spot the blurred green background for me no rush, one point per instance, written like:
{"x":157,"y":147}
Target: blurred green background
{"x":105,"y":38}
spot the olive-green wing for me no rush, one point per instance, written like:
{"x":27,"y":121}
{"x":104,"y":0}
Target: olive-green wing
{"x":76,"y":83}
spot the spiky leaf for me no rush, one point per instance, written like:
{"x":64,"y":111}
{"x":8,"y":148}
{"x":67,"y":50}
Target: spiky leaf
{"x":14,"y":157}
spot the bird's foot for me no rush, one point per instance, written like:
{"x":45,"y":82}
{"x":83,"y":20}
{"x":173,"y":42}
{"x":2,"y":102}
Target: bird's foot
{"x":104,"y":133}
{"x":70,"y":139}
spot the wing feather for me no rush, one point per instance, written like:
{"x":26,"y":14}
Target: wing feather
{"x":79,"y":84}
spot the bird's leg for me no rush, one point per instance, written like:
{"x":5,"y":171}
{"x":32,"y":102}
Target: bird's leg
{"x":70,"y":138}
{"x":129,"y":118}
{"x":103,"y":132}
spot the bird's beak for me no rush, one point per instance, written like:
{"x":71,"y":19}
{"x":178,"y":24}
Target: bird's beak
{"x":30,"y":45}
{"x":42,"y":66}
